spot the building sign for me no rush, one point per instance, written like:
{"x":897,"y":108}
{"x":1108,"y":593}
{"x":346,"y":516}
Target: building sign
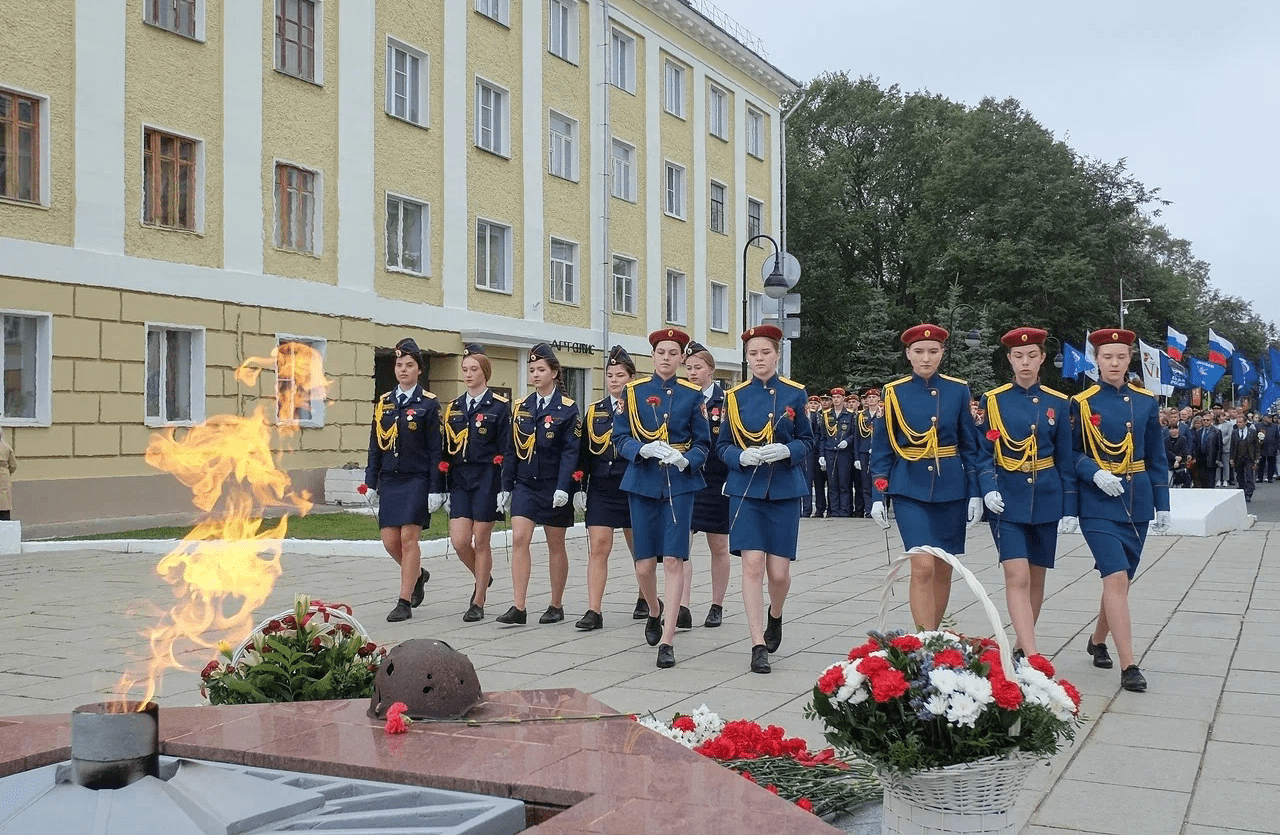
{"x":574,"y":347}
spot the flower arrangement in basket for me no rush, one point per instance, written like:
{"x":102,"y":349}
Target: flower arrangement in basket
{"x":315,"y":651}
{"x":815,"y":781}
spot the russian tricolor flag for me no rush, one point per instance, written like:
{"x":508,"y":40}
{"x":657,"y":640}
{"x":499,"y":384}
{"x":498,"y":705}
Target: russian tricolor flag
{"x":1220,"y":350}
{"x":1176,"y":345}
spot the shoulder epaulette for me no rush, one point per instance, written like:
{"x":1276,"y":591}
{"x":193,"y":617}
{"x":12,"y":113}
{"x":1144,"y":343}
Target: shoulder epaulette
{"x":792,"y":383}
{"x":500,"y":398}
{"x":637,"y":381}
{"x":1087,"y":393}
{"x":428,"y":394}
{"x":389,"y":396}
{"x":565,"y":401}
{"x":738,"y":386}
{"x":1141,"y":390}
{"x":688,"y":384}
{"x":954,"y":379}
{"x":897,"y":381}
{"x":998,"y":390}
{"x":1054,"y":392}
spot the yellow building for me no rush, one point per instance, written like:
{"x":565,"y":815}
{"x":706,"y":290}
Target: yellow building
{"x":186,"y":183}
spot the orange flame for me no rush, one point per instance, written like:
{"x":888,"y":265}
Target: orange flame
{"x":226,"y":567}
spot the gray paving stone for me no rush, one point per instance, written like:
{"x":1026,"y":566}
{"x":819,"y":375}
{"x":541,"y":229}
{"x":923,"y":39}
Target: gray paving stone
{"x":1115,"y":810}
{"x":1151,"y":731}
{"x":1235,"y":804}
{"x":1125,"y":765}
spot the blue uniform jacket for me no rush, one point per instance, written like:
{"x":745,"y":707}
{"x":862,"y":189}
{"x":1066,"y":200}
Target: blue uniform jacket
{"x":940,"y":401}
{"x":758,"y":403}
{"x":715,"y":471}
{"x":598,"y":457}
{"x":481,"y":436}
{"x":863,"y":430}
{"x":1032,"y":496}
{"x":679,"y":406}
{"x":1120,"y":410}
{"x":551,"y":440}
{"x":838,"y":428}
{"x":415,"y":449}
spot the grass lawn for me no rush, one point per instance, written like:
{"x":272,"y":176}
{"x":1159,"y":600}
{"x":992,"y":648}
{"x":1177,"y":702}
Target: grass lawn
{"x":315,"y":526}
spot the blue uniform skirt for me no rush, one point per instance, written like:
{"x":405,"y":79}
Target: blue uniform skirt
{"x":1037,"y":544}
{"x":1116,"y":546}
{"x":769,"y":525}
{"x":710,"y":510}
{"x":475,"y":491}
{"x":532,"y":500}
{"x":940,"y":524}
{"x":654,"y":531}
{"x":607,"y":505}
{"x":402,"y":500}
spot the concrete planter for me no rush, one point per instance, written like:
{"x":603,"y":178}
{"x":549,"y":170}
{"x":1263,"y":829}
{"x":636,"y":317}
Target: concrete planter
{"x":340,"y":487}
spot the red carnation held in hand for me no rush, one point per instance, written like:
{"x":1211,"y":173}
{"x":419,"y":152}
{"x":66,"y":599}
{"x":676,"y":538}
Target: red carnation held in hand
{"x":653,"y":400}
{"x":444,"y":466}
{"x":882,"y":484}
{"x":993,"y":434}
{"x":497,"y":459}
{"x":1096,"y":420}
{"x":362,"y":489}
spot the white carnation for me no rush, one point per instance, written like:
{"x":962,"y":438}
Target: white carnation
{"x":963,"y":709}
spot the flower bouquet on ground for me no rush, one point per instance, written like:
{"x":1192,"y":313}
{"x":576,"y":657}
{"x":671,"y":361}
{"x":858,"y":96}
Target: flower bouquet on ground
{"x":316,"y":651}
{"x":815,"y":781}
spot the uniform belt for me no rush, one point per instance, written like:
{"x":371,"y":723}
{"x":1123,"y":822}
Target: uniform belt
{"x":1134,"y":467}
{"x":1031,"y":466}
{"x":684,"y":447}
{"x":942,"y":451}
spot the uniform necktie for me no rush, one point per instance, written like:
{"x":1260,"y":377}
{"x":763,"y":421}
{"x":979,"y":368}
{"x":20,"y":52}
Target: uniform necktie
{"x":542,"y":404}
{"x":472,"y":402}
{"x":402,"y":398}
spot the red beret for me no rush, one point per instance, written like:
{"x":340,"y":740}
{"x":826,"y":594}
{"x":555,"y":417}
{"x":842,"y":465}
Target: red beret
{"x":669,"y":335}
{"x":1018,"y":337}
{"x":876,"y":392}
{"x":767,"y":331}
{"x":922,"y":332}
{"x":837,"y":390}
{"x":1112,"y":336}
{"x":814,"y":397}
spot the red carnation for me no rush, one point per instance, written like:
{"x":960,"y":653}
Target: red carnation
{"x":791,"y":413}
{"x":831,"y":680}
{"x":653,"y":400}
{"x":1072,"y":693}
{"x":497,"y":459}
{"x":1039,"y":662}
{"x":882,"y":484}
{"x":1096,"y":420}
{"x":906,"y":643}
{"x":993,"y":434}
{"x":397,"y":722}
{"x":863,"y":650}
{"x":949,"y":657}
{"x":891,"y":684}
{"x":772,"y":788}
{"x":362,"y":489}
{"x":805,"y":803}
{"x":683,"y":723}
{"x":1005,"y":693}
{"x":444,"y":466}
{"x":873,"y":665}
{"x":577,"y":475}
{"x":369,"y":648}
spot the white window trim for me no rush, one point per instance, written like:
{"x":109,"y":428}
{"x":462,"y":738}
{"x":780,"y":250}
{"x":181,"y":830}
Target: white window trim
{"x":197,"y":373}
{"x":724,"y":208}
{"x":572,"y":174}
{"x":426,"y":235}
{"x":321,"y":345}
{"x":755,"y":310}
{"x":504,"y":12}
{"x":46,"y":158}
{"x":682,"y":198}
{"x":44,"y":368}
{"x":617,"y":31}
{"x":509,"y":278}
{"x":575,"y":31}
{"x":504,"y":149}
{"x":576,"y":301}
{"x":613,"y":304}
{"x":758,"y":241}
{"x":711,"y":314}
{"x":200,"y":176}
{"x":669,"y":64}
{"x":724,"y":111}
{"x":319,"y":49}
{"x":683,"y":312}
{"x":199,"y":15}
{"x":424,"y":82}
{"x":632,"y":181}
{"x":317,"y":222}
{"x":757,"y":152}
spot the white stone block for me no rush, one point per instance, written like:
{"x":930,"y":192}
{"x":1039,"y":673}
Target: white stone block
{"x":1196,"y":512}
{"x":10,"y":537}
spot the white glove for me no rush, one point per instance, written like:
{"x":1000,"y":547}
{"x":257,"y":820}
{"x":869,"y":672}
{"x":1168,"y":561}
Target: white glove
{"x":857,"y":464}
{"x":822,"y":463}
{"x":994,"y":501}
{"x":656,"y":449}
{"x":1068,"y":524}
{"x":1108,"y":483}
{"x":975,"y":511}
{"x":675,"y":458}
{"x":775,"y":452}
{"x":1161,"y":524}
{"x":435,"y":501}
{"x":842,"y":445}
{"x":750,"y":457}
{"x":879,"y":514}
{"x":559,"y":499}
{"x":580,"y":502}
{"x":504,"y":502}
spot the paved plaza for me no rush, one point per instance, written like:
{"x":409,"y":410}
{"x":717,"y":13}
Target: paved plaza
{"x":1198,"y":753}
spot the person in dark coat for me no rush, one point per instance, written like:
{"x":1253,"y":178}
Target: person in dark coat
{"x":1206,"y":449}
{"x":1177,"y":450}
{"x":1246,"y":448}
{"x":1270,"y":446}
{"x":710,"y":504}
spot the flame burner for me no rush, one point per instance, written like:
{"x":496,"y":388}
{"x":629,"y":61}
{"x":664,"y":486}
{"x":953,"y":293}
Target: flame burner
{"x":114,"y":744}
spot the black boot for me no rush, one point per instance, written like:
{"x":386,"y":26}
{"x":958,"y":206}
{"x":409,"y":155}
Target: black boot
{"x":773,"y":633}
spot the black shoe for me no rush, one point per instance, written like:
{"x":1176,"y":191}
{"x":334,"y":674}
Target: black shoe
{"x":641,"y":611}
{"x":667,"y":656}
{"x":554,"y":614}
{"x":773,"y":633}
{"x":519,"y":617}
{"x":402,"y":611}
{"x":1131,"y":678}
{"x":591,"y":620}
{"x":715,"y":616}
{"x":418,"y":591}
{"x":652,"y":631}
{"x":684,"y":620}
{"x":760,"y":659}
{"x":472,"y":601}
{"x":1101,"y":658}
{"x":474,"y":613}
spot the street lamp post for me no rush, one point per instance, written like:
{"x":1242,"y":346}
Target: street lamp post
{"x":775,"y":286}
{"x":1124,"y":303}
{"x":1057,"y":353}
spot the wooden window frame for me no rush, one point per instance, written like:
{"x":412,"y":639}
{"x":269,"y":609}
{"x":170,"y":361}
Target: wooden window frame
{"x":758,"y":218}
{"x":285,"y":234}
{"x":425,"y":244}
{"x":151,"y":15}
{"x":11,"y":126}
{"x":158,"y":211}
{"x":306,"y":69}
{"x":713,"y":214}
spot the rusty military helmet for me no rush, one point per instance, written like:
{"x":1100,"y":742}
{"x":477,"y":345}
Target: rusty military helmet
{"x":433,"y":679}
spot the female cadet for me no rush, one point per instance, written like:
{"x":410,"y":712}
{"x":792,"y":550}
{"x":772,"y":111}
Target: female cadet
{"x":1123,"y":480}
{"x":1027,"y":476}
{"x":600,"y":495}
{"x":925,"y":455}
{"x":477,"y":439}
{"x":538,"y":479}
{"x":662,"y":431}
{"x":710,"y":504}
{"x":404,"y":467}
{"x":765,"y":447}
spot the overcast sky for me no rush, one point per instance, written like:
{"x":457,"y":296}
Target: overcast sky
{"x":1186,"y":90}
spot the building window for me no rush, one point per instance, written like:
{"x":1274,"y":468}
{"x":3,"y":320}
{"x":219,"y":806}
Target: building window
{"x":300,"y":384}
{"x":407,"y":83}
{"x":717,"y":207}
{"x":493,"y":256}
{"x":755,"y":133}
{"x":718,"y":112}
{"x":675,"y":297}
{"x":755,"y":211}
{"x":624,"y":170}
{"x":675,"y":190}
{"x":563,"y":40}
{"x":170,"y":180}
{"x":675,"y":89}
{"x":755,"y":310}
{"x":25,"y":394}
{"x":622,"y":61}
{"x":298,"y":38}
{"x":624,"y":281}
{"x":20,"y":152}
{"x":575,"y":383}
{"x":174,"y":375}
{"x":296,"y":194}
{"x":177,"y":16}
{"x":563,"y":147}
{"x":719,"y":307}
{"x":491,"y":118}
{"x":408,"y":247}
{"x":499,"y":10}
{"x":564,"y":271}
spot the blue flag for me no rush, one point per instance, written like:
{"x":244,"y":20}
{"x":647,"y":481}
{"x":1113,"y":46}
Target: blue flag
{"x":1268,"y":390}
{"x":1243,"y":374}
{"x":1204,"y":374}
{"x":1073,"y":361}
{"x":1173,"y":373}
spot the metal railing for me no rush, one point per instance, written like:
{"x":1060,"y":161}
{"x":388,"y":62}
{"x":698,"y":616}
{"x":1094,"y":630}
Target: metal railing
{"x":731,"y":27}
